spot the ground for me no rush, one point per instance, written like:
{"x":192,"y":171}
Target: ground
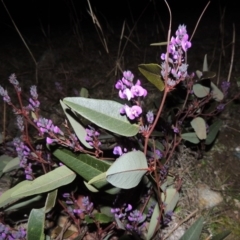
{"x":78,"y":59}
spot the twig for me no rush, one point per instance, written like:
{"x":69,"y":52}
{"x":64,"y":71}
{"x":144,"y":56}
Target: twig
{"x":98,"y":27}
{"x":4,"y":121}
{"x":180,"y":223}
{"x":232,"y":56}
{"x":24,"y":42}
{"x":199,"y":20}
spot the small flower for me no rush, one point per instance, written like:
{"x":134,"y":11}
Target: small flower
{"x":66,"y":195}
{"x":136,"y":216}
{"x":175,"y":129}
{"x":225,"y":86}
{"x":158,"y":153}
{"x":126,"y":94}
{"x":132,"y":112}
{"x":138,"y":91}
{"x":33,"y":92}
{"x":128,"y":75}
{"x":4,"y":94}
{"x":128,"y":208}
{"x":167,"y":218}
{"x":119,"y":85}
{"x":20,"y":123}
{"x":150,"y":117}
{"x":13,"y":80}
{"x":220,"y":107}
{"x":117,"y":150}
{"x":50,"y":140}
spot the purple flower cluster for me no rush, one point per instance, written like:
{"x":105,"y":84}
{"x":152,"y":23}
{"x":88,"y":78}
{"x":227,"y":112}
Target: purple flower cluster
{"x":20,"y":123}
{"x":4,"y":94}
{"x":92,"y":137}
{"x":163,"y":171}
{"x":167,"y":218}
{"x":176,"y":70}
{"x":13,"y":80}
{"x":150,"y":211}
{"x":225,"y":86}
{"x":23,"y":153}
{"x":7,"y":234}
{"x":130,"y":91}
{"x":133,"y":220}
{"x":33,"y":100}
{"x":117,"y":150}
{"x":46,"y":126}
{"x":87,"y":205}
{"x":121,"y":213}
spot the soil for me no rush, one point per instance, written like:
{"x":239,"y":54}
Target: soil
{"x":78,"y":59}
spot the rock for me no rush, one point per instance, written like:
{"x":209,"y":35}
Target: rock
{"x":208,"y":198}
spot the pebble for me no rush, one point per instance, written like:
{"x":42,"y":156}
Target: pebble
{"x":208,"y":198}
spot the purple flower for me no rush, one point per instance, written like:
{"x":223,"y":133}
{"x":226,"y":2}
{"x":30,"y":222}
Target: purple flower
{"x":126,"y":94}
{"x":33,"y":92}
{"x":136,"y":216}
{"x":50,"y":140}
{"x":158,"y":154}
{"x":132,"y":112}
{"x":150,"y":117}
{"x":20,"y":123}
{"x":66,"y":195}
{"x":175,"y":129}
{"x":128,"y":75}
{"x":13,"y":79}
{"x":220,"y":107}
{"x":4,"y":94}
{"x":117,"y":150}
{"x":138,"y":91}
{"x":128,"y":208}
{"x":225,"y":86}
{"x":119,"y":85}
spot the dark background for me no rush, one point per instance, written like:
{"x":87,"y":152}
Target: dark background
{"x":31,"y":14}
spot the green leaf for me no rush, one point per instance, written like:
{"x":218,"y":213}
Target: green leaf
{"x":7,"y":198}
{"x":207,"y":75}
{"x":170,"y":198}
{"x":103,"y":218}
{"x":200,"y":91}
{"x":84,"y":92}
{"x":199,"y":74}
{"x":153,"y":222}
{"x":217,"y":93}
{"x":45,"y":183}
{"x":51,"y":200}
{"x":79,"y":130}
{"x":35,"y":229}
{"x":221,"y":235}
{"x":113,"y":190}
{"x":12,"y":165}
{"x":24,"y":203}
{"x":4,"y":159}
{"x":83,"y":164}
{"x":100,"y":217}
{"x":191,"y":137}
{"x":90,"y":187}
{"x":205,"y":63}
{"x":127,"y":171}
{"x":100,"y":177}
{"x":159,"y":44}
{"x":152,"y":72}
{"x":213,"y":131}
{"x":194,"y":231}
{"x":199,"y":126}
{"x":103,"y":113}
